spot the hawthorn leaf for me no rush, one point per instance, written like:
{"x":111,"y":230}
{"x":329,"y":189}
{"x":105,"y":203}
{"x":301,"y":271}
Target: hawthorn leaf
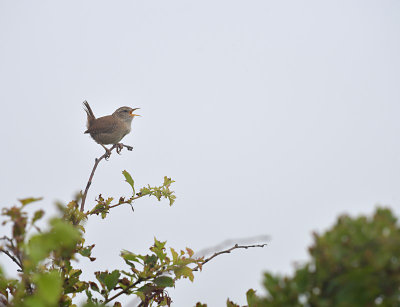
{"x":128,"y":179}
{"x":174,"y":255}
{"x":189,"y":251}
{"x":111,"y":280}
{"x":185,"y":272}
{"x":48,"y":290}
{"x":251,"y":297}
{"x":164,"y":281}
{"x":37,"y":216}
{"x":29,"y":200}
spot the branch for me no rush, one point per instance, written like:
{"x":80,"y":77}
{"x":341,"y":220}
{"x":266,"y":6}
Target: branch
{"x":229,"y":242}
{"x":128,"y":201}
{"x":125,"y":290}
{"x":227,"y":251}
{"x":16,"y":258}
{"x":12,"y":258}
{"x":96,"y":162}
{"x":130,"y":287}
{"x":7,"y":239}
{"x":106,"y":208}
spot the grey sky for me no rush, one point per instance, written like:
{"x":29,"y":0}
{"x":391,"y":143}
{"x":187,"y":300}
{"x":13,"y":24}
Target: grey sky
{"x":273,"y":117}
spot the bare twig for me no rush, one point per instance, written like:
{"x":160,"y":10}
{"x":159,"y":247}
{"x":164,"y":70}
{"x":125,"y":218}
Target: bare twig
{"x":16,"y":257}
{"x":7,"y":239}
{"x":12,"y":258}
{"x":229,"y":242}
{"x":96,"y":162}
{"x":227,"y":251}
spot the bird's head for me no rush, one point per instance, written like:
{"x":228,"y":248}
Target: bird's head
{"x":125,"y":113}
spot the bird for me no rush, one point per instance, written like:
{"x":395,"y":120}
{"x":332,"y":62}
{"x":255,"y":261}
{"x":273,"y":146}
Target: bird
{"x":109,"y":129}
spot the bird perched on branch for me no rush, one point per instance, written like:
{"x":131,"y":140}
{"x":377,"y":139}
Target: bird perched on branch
{"x":109,"y":129}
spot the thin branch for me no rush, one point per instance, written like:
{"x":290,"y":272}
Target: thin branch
{"x":96,"y":162}
{"x":229,"y":242}
{"x":121,"y":202}
{"x":227,"y":251}
{"x":7,"y":239}
{"x":128,"y":201}
{"x":16,"y":257}
{"x":125,"y":290}
{"x":12,"y":258}
{"x":149,"y":299}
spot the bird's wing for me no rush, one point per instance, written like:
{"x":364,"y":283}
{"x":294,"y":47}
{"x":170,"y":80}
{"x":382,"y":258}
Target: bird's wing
{"x":105,"y":124}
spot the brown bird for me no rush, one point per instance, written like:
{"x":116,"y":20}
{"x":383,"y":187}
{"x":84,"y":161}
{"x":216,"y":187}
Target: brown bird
{"x":109,"y":129}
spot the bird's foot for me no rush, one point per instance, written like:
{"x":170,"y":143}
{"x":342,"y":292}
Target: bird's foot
{"x":107,"y":154}
{"x":130,"y":148}
{"x":119,"y":147}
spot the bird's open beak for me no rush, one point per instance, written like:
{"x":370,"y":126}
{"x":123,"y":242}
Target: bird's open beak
{"x":131,"y":112}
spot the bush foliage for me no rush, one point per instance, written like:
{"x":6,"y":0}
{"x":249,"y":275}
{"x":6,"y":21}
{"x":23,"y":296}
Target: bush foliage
{"x":47,"y":260}
{"x":355,"y":263}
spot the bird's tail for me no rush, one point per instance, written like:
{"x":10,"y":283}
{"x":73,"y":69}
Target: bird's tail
{"x":89,"y":112}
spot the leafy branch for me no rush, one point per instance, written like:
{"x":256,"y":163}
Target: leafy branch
{"x":104,"y":205}
{"x":106,"y":155}
{"x":202,"y":261}
{"x":46,"y":259}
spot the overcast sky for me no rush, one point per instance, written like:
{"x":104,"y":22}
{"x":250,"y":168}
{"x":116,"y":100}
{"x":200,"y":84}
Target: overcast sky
{"x":273,"y":117}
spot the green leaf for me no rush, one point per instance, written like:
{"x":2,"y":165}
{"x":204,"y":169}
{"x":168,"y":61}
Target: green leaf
{"x":168,"y":181}
{"x":127,"y":255}
{"x":37,"y":216}
{"x":111,"y":280}
{"x":150,"y":260}
{"x":147,"y":288}
{"x":29,"y":200}
{"x":94,"y":286}
{"x":128,"y":179}
{"x":251,"y":298}
{"x":62,"y":237}
{"x":86,"y":251}
{"x":164,"y":281}
{"x":141,"y":295}
{"x":48,"y":292}
{"x":74,"y":273}
{"x":158,"y":249}
{"x":171,"y":199}
{"x":174,"y":255}
{"x":184,"y":271}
